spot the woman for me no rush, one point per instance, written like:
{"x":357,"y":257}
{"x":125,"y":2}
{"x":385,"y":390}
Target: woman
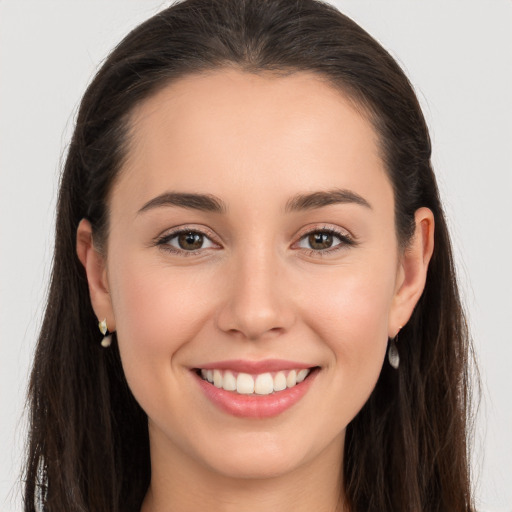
{"x":249,"y":213}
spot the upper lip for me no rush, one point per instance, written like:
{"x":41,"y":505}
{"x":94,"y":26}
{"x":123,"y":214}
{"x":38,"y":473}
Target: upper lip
{"x":255,"y":367}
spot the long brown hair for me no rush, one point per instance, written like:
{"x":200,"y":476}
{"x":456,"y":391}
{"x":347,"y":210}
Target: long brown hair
{"x":407,"y":448}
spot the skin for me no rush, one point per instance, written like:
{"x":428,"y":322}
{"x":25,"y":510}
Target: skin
{"x":257,"y":290}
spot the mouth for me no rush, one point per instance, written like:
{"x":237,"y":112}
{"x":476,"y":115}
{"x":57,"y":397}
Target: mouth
{"x":246,"y":390}
{"x":261,"y":384}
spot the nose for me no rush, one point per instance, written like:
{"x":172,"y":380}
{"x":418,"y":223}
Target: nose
{"x":257,"y":302}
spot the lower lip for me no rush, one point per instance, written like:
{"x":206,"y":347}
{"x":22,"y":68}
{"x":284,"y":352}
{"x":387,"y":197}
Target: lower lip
{"x":256,"y":406}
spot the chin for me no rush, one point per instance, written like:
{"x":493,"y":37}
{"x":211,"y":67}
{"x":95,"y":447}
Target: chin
{"x":255,"y":468}
{"x":254,"y":457}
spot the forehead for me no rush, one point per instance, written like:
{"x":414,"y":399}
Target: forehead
{"x":249,"y":130}
{"x":248,"y":100}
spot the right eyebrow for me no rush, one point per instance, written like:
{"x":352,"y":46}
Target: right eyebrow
{"x":192,"y":201}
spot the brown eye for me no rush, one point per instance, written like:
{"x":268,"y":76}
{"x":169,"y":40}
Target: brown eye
{"x":325,"y":241}
{"x":320,"y":240}
{"x":186,"y":242}
{"x":190,"y":241}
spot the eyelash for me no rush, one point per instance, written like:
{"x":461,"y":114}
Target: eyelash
{"x":345,"y":241}
{"x":163,"y":242}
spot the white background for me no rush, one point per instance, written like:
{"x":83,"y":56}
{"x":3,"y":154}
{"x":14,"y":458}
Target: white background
{"x":458,"y":55}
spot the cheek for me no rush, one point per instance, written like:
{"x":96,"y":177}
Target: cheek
{"x":157,"y":311}
{"x":350,"y":316}
{"x":353,"y":304}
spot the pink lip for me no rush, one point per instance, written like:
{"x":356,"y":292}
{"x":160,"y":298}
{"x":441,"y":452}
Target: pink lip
{"x":255,"y":406}
{"x":255,"y":367}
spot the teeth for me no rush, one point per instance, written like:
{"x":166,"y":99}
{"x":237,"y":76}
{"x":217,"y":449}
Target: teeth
{"x":244,"y":384}
{"x":264,"y":384}
{"x":279,"y":381}
{"x":291,"y":380}
{"x":217,"y":378}
{"x":301,"y":375}
{"x":229,"y":381}
{"x":261,"y":384}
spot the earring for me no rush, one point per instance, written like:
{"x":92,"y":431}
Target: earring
{"x":107,"y":338}
{"x":393,"y":356}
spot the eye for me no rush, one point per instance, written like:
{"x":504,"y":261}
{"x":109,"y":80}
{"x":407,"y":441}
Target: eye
{"x":186,"y":241}
{"x":324,"y":240}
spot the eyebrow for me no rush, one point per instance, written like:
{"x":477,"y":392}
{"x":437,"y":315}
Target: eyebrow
{"x":211,"y":203}
{"x":324,"y":198}
{"x":202,"y":202}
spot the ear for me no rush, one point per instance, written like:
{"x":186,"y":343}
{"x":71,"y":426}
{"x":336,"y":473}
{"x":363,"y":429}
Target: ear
{"x":95,"y":267}
{"x":412,"y":272}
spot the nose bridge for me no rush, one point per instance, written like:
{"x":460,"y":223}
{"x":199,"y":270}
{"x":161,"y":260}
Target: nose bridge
{"x":256,"y":301}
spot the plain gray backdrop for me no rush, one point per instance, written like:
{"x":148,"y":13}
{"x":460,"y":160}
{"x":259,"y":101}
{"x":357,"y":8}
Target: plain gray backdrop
{"x":458,"y":55}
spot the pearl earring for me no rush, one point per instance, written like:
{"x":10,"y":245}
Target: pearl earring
{"x":107,"y":338}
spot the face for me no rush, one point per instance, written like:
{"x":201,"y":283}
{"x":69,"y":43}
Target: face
{"x":252,"y":243}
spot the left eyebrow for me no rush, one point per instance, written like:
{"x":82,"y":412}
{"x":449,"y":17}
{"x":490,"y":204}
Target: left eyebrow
{"x":324,"y":198}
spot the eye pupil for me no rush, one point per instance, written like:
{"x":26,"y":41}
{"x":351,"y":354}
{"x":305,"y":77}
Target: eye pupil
{"x":320,"y":240}
{"x":190,"y":241}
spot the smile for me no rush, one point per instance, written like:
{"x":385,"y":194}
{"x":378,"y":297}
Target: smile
{"x":259,"y":384}
{"x":255,"y":389}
